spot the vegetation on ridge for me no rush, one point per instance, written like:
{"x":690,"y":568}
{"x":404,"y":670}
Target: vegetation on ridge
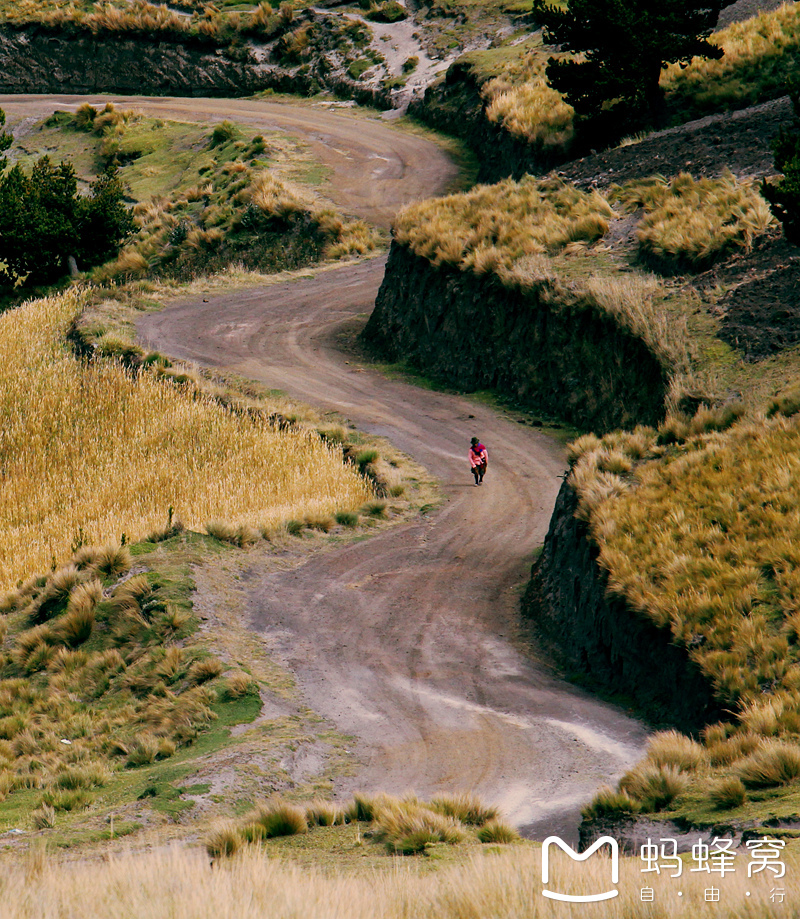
{"x":623,"y":45}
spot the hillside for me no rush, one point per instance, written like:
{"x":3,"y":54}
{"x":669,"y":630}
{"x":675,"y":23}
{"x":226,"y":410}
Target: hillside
{"x":238,"y":629}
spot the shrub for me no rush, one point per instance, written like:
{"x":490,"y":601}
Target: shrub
{"x":85,"y":775}
{"x":237,"y":686}
{"x":467,"y":808}
{"x":278,"y":818}
{"x":346,"y":519}
{"x":608,"y":802}
{"x":497,"y":831}
{"x":784,"y":195}
{"x":671,"y":748}
{"x":143,"y":751}
{"x":204,"y":670}
{"x":112,"y":560}
{"x":44,"y":817}
{"x":364,"y":808}
{"x":774,"y":763}
{"x":66,"y":800}
{"x":366,"y":458}
{"x":224,"y":841}
{"x":786,"y":404}
{"x":375,"y":509}
{"x":320,"y":522}
{"x":407,"y":827}
{"x":727,"y":793}
{"x":222,"y":134}
{"x":655,"y":787}
{"x":324,"y":813}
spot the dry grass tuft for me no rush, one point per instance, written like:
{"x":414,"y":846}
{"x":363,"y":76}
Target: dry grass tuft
{"x":497,"y":832}
{"x":276,"y":818}
{"x":727,"y":793}
{"x":671,"y":748}
{"x":691,"y":222}
{"x":324,"y":813}
{"x":774,"y":763}
{"x":224,"y":841}
{"x":655,"y":787}
{"x":465,"y":807}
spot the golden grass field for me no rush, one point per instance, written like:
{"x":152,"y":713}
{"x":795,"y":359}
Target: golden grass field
{"x":503,"y":884}
{"x":88,"y":452}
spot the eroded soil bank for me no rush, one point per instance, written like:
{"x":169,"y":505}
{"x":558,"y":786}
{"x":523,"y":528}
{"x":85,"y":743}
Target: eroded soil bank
{"x":551,"y":351}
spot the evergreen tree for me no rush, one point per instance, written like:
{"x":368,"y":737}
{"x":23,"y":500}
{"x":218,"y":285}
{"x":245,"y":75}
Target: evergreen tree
{"x":622,"y":45}
{"x":43,"y":221}
{"x":784,"y":195}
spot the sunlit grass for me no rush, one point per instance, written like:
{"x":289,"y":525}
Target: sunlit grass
{"x":698,"y":529}
{"x":505,"y":884}
{"x":89,"y":452}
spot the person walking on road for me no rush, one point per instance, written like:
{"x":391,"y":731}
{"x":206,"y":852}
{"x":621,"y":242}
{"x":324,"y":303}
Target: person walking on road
{"x":478,"y":460}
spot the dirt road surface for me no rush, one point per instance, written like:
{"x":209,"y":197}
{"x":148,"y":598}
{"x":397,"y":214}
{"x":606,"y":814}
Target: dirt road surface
{"x":408,"y":641}
{"x":375,"y":170}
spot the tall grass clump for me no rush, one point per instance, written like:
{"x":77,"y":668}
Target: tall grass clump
{"x":93,"y":452}
{"x":689,"y":223}
{"x":494,"y":226}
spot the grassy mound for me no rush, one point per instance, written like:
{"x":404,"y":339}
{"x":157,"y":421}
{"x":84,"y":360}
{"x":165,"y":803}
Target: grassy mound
{"x":721,"y":570}
{"x":90,"y":452}
{"x":206,"y":199}
{"x":97,"y":673}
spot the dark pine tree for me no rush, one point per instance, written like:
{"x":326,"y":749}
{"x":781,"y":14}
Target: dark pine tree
{"x":784,"y":195}
{"x":622,"y":46}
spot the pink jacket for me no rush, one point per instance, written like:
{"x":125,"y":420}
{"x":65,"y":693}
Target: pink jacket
{"x":478,"y":455}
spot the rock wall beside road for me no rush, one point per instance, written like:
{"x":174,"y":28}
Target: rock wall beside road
{"x":454,"y":105}
{"x":548,"y":348}
{"x":39,"y":60}
{"x":594,"y":634}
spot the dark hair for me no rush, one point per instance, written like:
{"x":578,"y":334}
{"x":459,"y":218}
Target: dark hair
{"x":474,"y":440}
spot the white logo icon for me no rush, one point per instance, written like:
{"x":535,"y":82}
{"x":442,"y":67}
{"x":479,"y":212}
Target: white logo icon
{"x":580,"y":857}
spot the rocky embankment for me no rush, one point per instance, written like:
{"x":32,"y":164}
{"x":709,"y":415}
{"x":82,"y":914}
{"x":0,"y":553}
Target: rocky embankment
{"x":547,"y":347}
{"x":35,"y":59}
{"x":455,"y":105}
{"x":598,"y":635}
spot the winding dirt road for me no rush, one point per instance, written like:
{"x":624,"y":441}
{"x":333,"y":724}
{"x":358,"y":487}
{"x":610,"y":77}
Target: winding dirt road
{"x":409,"y":640}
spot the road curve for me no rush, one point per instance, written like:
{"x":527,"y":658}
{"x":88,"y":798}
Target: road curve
{"x":409,"y":640}
{"x":375,"y":170}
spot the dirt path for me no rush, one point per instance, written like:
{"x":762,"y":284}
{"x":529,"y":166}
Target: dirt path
{"x":408,"y":641}
{"x":374,"y":170}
